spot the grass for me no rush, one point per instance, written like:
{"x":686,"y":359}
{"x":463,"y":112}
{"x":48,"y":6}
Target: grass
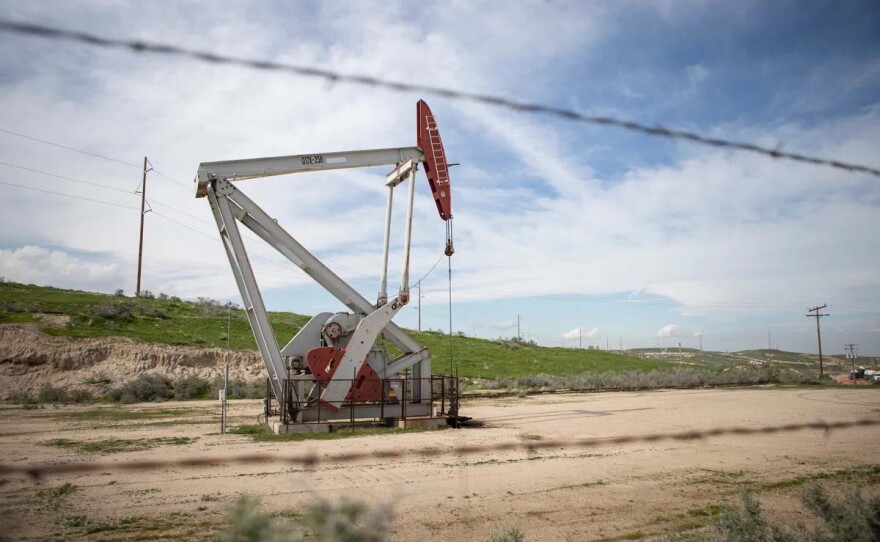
{"x":710,"y":511}
{"x":203,"y":324}
{"x":261,"y":433}
{"x":168,"y":321}
{"x":115,"y":446}
{"x":125,"y":414}
{"x":17,"y":318}
{"x":864,"y":475}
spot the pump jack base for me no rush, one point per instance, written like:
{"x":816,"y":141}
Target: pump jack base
{"x":300,"y":428}
{"x":313,"y":428}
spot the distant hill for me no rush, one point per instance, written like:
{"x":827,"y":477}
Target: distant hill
{"x":203,"y":324}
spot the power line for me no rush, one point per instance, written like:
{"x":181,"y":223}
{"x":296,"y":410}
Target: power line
{"x":167,"y":178}
{"x":52,"y":143}
{"x":311,"y":460}
{"x":69,"y":195}
{"x":63,"y":177}
{"x":92,"y":154}
{"x":331,"y":76}
{"x":150,"y":201}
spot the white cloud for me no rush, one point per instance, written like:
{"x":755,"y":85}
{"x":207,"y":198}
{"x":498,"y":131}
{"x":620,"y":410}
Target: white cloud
{"x":669,"y":330}
{"x":579,"y":332}
{"x":696,"y":75}
{"x":37,"y":265}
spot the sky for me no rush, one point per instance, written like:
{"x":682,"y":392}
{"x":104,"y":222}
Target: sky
{"x":576,"y":235}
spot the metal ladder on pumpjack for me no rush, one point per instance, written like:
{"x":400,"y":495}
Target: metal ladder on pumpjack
{"x":437,"y":151}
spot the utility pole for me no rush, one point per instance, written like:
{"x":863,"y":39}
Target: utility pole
{"x":701,"y":342}
{"x":621,"y":343}
{"x":680,"y":358}
{"x":852,"y":352}
{"x":518,"y":334}
{"x":225,"y":395}
{"x":606,"y":341}
{"x":769,"y":346}
{"x":817,"y":315}
{"x":419,"y":285}
{"x":580,"y":337}
{"x":141,"y":243}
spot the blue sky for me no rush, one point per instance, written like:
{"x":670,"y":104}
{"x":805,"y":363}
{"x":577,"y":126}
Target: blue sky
{"x":625,"y":237}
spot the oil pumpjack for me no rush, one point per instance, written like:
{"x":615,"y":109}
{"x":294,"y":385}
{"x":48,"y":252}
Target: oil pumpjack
{"x":333,"y":369}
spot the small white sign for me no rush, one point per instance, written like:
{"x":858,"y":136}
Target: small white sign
{"x":222,"y":396}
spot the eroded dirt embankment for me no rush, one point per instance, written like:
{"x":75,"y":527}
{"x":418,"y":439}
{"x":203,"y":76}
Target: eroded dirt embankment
{"x":30,"y":358}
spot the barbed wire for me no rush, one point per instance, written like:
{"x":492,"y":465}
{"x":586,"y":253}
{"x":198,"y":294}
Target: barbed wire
{"x":331,"y":76}
{"x":311,"y":460}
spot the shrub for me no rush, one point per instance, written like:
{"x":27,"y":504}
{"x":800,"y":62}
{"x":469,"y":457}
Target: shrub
{"x":11,"y":307}
{"x":238,"y":388}
{"x":146,"y":294}
{"x":163,"y":296}
{"x":509,"y":534}
{"x":341,"y":521}
{"x":349,"y":521}
{"x":657,"y":378}
{"x":50,"y":394}
{"x":210,"y":307}
{"x":142,"y":389}
{"x":191,"y":387}
{"x":21,"y":397}
{"x":156,"y":312}
{"x":748,"y":524}
{"x":114,"y":311}
{"x":245,"y":523}
{"x":120,"y":292}
{"x":852,"y":518}
{"x":98,"y":379}
{"x":81,"y":396}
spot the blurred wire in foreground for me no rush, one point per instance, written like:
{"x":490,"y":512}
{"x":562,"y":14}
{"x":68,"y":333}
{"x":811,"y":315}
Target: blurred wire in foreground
{"x":496,"y":101}
{"x":310,"y":460}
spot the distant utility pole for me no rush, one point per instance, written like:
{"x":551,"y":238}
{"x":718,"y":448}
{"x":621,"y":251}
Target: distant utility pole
{"x":769,"y":346}
{"x":606,"y":341}
{"x":701,"y":342}
{"x":419,"y":285}
{"x":621,"y":343}
{"x":852,"y":352}
{"x":518,"y":334}
{"x":141,"y":244}
{"x":680,"y":358}
{"x":817,"y":315}
{"x":580,"y":342}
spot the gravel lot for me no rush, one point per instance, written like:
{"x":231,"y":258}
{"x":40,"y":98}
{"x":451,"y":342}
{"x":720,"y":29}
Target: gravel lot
{"x":614,"y":491}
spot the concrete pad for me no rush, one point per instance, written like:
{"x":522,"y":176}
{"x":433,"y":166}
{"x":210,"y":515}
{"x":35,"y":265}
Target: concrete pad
{"x":283,"y":429}
{"x":422,"y":423}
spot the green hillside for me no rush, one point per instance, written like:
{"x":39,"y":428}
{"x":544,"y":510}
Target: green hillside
{"x":203,"y":323}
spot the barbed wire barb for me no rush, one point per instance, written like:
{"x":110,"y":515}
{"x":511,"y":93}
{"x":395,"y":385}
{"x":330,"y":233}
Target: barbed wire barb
{"x":333,"y":77}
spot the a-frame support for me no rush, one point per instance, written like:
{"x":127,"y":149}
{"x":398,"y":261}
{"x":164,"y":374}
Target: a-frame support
{"x":230,"y":205}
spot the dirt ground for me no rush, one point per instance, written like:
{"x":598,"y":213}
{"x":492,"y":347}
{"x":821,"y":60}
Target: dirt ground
{"x":610,"y":492}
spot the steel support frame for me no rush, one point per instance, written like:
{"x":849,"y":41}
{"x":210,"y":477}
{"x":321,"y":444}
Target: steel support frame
{"x":229,"y":204}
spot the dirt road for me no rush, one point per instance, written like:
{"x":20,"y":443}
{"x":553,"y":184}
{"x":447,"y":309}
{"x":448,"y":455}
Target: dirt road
{"x":610,"y":492}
